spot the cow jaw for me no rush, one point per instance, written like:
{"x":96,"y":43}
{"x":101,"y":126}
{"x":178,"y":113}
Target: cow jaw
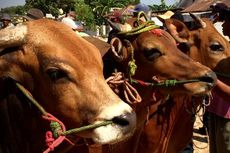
{"x":115,"y":132}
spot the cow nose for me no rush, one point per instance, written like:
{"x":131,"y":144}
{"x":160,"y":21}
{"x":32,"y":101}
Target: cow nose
{"x":209,"y":78}
{"x":126,"y":120}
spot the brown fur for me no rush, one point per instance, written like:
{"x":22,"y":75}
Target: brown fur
{"x":199,"y":42}
{"x":171,"y":64}
{"x":76,"y":97}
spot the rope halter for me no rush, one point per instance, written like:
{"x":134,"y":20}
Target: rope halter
{"x":58,"y":131}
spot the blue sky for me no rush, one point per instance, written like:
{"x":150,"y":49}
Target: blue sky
{"x":7,"y":3}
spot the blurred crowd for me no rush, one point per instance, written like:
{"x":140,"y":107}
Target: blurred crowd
{"x":33,"y":14}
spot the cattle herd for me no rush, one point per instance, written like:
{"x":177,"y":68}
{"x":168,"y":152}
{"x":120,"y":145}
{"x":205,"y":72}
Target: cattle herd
{"x":173,"y":70}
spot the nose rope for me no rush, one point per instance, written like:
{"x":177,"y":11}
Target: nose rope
{"x":59,"y":133}
{"x":165,"y":83}
{"x":131,"y":94}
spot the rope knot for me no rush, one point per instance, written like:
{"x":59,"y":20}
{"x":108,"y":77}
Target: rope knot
{"x":169,"y":83}
{"x":56,"y":128}
{"x":132,"y":67}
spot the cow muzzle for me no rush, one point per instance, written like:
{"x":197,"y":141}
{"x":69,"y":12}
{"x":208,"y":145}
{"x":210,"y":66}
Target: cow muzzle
{"x":205,"y":84}
{"x":124,"y":124}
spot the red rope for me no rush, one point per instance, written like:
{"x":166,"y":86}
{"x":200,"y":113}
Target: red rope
{"x":142,"y":83}
{"x":50,"y":141}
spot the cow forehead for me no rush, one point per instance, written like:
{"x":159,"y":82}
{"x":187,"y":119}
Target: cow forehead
{"x":210,"y":35}
{"x":156,"y":39}
{"x":57,"y":41}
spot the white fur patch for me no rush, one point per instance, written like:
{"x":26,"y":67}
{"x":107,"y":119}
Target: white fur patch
{"x":113,"y":133}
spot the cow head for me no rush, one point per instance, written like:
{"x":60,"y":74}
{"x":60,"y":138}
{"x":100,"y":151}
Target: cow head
{"x":65,"y":74}
{"x":156,"y":54}
{"x":204,"y":43}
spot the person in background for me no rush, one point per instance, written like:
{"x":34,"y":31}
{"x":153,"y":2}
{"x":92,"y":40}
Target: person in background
{"x":142,"y":8}
{"x":33,"y":14}
{"x":6,"y":21}
{"x":69,"y":21}
{"x":219,"y":109}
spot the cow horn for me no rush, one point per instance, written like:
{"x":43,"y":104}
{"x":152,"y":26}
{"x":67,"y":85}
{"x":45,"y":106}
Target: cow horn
{"x":115,"y":26}
{"x":198,"y":20}
{"x":12,"y":37}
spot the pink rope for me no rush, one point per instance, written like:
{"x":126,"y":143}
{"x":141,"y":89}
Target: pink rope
{"x":131,"y":94}
{"x":157,"y":32}
{"x":50,"y":141}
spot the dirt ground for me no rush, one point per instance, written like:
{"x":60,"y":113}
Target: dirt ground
{"x":200,"y":142}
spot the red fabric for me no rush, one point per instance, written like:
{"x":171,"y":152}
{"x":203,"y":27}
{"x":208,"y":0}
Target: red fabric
{"x":220,"y":104}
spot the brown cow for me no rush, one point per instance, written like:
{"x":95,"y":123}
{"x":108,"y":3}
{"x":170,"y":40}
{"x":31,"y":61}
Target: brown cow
{"x":208,"y":47}
{"x":65,"y":75}
{"x":156,"y":56}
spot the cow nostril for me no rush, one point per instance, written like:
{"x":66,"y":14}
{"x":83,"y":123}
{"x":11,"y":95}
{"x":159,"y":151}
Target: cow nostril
{"x":121,"y":120}
{"x":209,"y":77}
{"x":206,"y":79}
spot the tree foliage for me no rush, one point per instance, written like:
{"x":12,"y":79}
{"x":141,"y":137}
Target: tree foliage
{"x":162,"y":6}
{"x":19,"y":10}
{"x":47,"y":6}
{"x":88,"y":11}
{"x":85,"y":14}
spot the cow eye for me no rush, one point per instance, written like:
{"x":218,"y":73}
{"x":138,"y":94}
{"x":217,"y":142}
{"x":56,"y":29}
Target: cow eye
{"x":152,"y":54}
{"x":216,"y":47}
{"x":56,"y":74}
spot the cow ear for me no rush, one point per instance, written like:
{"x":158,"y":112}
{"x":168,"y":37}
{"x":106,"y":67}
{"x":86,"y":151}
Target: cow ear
{"x":178,"y":30}
{"x":118,"y":50}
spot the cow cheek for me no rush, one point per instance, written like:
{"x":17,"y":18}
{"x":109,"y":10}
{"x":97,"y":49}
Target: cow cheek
{"x":69,"y":104}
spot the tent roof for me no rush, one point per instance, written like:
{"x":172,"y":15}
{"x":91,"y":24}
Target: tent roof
{"x":200,"y":5}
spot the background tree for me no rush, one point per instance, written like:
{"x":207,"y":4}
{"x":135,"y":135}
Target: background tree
{"x":88,"y":11}
{"x":85,"y":14}
{"x":162,"y":6}
{"x":14,"y":10}
{"x":67,"y":5}
{"x":46,"y":6}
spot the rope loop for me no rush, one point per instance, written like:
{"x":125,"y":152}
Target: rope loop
{"x":131,"y":94}
{"x":141,"y":26}
{"x":131,"y":64}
